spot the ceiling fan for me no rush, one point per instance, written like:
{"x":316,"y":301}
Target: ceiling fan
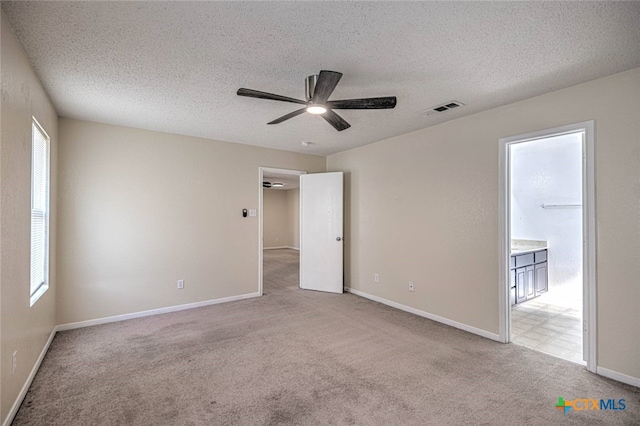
{"x":318,"y":89}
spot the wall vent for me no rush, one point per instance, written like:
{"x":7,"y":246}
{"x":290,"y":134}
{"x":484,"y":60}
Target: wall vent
{"x":443,"y":108}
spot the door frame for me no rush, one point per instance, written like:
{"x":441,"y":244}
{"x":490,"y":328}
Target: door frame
{"x":261,"y":172}
{"x":589,"y":325}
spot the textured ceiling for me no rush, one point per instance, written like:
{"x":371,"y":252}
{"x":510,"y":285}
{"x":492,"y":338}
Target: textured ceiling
{"x":175,"y":66}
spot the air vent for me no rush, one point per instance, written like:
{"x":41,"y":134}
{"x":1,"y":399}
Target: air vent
{"x":443,"y":108}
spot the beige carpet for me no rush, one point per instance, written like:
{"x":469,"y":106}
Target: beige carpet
{"x":304,"y":358}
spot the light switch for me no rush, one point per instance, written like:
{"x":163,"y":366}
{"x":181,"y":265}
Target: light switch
{"x":252,"y":212}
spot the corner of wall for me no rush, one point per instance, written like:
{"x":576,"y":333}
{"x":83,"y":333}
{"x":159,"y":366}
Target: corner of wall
{"x":24,"y":329}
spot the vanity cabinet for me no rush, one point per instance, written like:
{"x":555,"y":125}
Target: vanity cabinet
{"x":528,"y":275}
{"x":541,"y":277}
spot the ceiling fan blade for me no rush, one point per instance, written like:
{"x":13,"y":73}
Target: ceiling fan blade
{"x":335,"y":120}
{"x":264,"y":95}
{"x":288,"y":116}
{"x":366,"y":103}
{"x":327,"y":81}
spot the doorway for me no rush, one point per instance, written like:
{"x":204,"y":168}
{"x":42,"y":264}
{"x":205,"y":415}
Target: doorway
{"x":279,"y":224}
{"x":547,"y":242}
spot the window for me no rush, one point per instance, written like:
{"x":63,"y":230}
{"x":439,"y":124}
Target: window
{"x":39,"y":276}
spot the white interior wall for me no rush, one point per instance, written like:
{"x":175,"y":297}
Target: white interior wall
{"x":549,"y":171}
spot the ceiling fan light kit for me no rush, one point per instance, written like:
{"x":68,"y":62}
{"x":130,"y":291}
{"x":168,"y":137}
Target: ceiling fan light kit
{"x":266,"y":184}
{"x":316,"y":109}
{"x":318,"y":88}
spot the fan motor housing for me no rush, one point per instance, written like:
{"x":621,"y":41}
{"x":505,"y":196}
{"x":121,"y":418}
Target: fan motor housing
{"x":310,"y":86}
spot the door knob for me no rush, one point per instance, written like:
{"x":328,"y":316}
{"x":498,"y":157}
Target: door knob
{"x":338,"y":239}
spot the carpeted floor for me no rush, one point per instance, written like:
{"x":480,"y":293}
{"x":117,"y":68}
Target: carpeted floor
{"x":305,"y":358}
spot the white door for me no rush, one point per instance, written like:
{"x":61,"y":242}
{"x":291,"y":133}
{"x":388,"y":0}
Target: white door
{"x":321,"y":218}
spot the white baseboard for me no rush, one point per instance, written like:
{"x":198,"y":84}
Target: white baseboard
{"x":81,"y":324}
{"x":427,"y":315}
{"x":116,"y":318}
{"x":281,"y":247}
{"x":633,"y":381}
{"x":630,"y":380}
{"x":25,"y":388}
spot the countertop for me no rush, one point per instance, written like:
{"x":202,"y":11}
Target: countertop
{"x":527,"y":246}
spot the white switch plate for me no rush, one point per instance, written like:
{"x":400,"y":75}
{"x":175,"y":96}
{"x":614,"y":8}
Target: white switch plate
{"x":252,"y":212}
{"x":14,"y":362}
{"x":412,"y":287}
{"x":180,"y":283}
{"x":376,"y":278}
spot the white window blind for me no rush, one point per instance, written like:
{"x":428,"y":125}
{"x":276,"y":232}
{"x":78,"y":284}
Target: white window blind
{"x":39,"y":212}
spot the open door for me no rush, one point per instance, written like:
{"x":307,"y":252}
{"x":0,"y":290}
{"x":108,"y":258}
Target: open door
{"x":321,"y":220}
{"x":585,"y":131}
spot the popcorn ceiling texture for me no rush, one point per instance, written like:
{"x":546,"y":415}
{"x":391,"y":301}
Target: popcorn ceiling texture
{"x":176,"y":66}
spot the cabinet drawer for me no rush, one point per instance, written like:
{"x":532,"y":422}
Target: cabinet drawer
{"x":524,"y":260}
{"x":540,"y":256}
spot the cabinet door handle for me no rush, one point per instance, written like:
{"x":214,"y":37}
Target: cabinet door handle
{"x":338,"y":239}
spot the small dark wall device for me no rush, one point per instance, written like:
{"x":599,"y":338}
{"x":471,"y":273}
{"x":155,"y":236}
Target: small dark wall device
{"x":244,"y":212}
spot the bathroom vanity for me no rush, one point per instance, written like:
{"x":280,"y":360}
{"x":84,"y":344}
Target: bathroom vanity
{"x":528,"y":271}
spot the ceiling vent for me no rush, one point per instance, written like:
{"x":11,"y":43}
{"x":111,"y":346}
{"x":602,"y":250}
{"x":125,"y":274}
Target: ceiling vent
{"x":443,"y":108}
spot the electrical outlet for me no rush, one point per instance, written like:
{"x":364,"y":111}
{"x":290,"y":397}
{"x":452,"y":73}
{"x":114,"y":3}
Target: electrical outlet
{"x":412,"y":287}
{"x":180,"y":284}
{"x":376,"y":278}
{"x":14,"y":362}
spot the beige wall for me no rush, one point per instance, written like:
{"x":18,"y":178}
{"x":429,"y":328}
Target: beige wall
{"x":139,"y":210}
{"x":275,"y":218}
{"x":23,"y":329}
{"x":293,"y":207}
{"x":281,"y":218}
{"x":424,"y":207}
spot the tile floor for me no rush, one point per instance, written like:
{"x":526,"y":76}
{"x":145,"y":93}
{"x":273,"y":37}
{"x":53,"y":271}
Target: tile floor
{"x":547,"y":327}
